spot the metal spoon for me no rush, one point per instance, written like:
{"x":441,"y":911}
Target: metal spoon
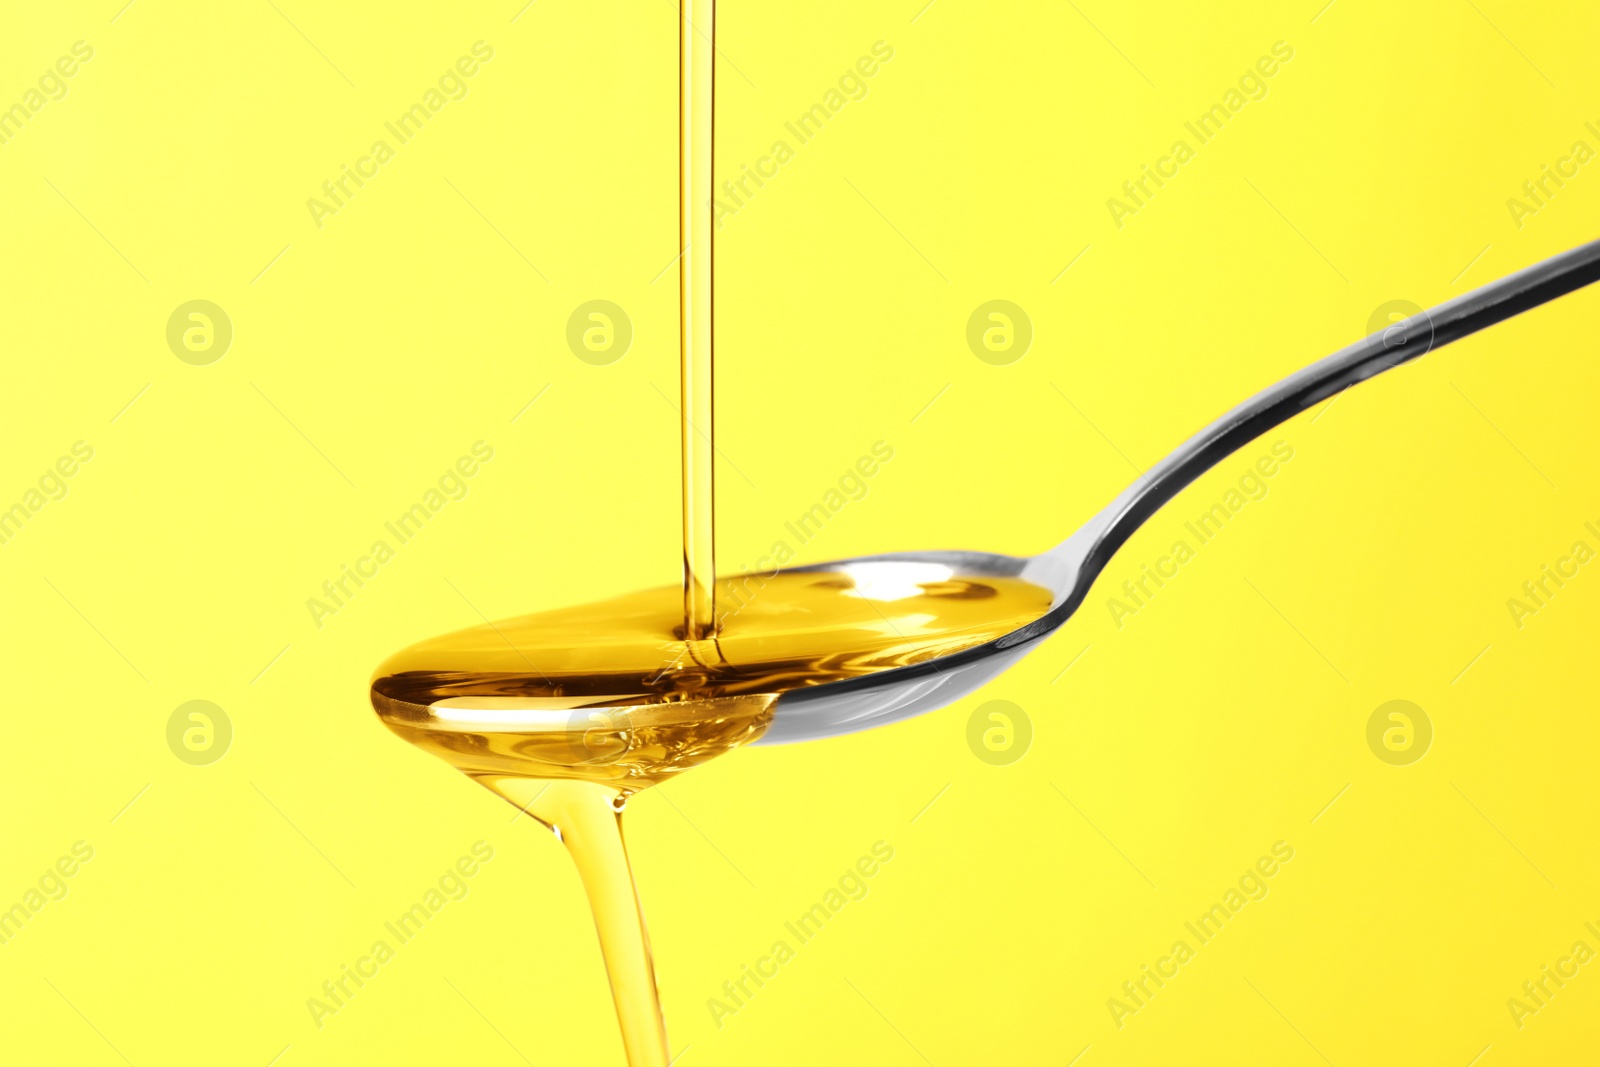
{"x":1070,"y":568}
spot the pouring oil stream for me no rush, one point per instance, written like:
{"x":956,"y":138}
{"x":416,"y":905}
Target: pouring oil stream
{"x":696,"y":126}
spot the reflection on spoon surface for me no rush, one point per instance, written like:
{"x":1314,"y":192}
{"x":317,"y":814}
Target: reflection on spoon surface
{"x":1069,"y":569}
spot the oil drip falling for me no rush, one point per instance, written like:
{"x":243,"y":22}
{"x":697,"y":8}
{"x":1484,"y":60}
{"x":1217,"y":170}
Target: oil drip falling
{"x":568,"y":713}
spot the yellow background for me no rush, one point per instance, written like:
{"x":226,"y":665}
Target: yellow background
{"x":432,"y":308}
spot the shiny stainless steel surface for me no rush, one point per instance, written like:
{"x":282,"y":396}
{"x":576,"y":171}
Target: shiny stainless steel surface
{"x":1070,"y":568}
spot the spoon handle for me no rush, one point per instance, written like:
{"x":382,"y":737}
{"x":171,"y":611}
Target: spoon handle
{"x":1088,"y":551}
